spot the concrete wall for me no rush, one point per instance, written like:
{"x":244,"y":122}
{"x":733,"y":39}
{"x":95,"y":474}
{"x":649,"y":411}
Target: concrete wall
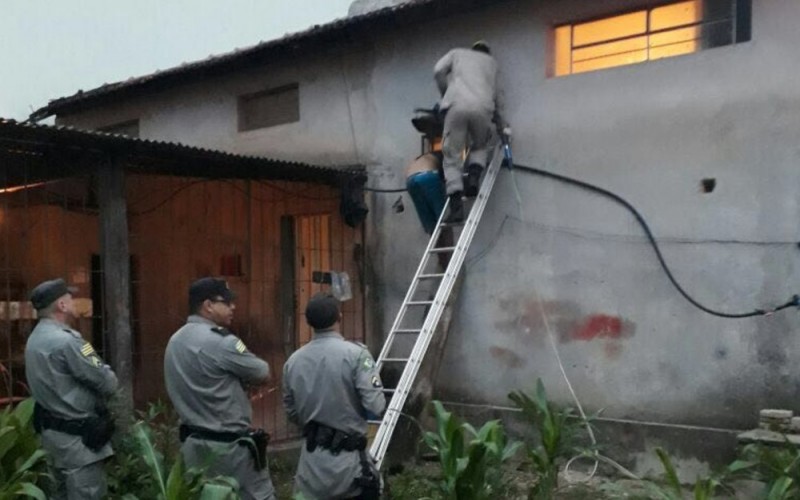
{"x":649,"y":132}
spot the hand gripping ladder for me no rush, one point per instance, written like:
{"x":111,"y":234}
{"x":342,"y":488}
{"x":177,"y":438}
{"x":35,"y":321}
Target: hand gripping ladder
{"x":435,"y":309}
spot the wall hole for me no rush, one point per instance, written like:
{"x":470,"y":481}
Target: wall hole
{"x":708,"y":184}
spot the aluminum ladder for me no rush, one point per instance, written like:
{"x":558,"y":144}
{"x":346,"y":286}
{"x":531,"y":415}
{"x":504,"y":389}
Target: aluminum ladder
{"x":435,"y":308}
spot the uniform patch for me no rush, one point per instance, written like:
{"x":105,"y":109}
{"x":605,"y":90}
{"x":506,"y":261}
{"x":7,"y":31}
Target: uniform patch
{"x":240,"y":346}
{"x":367,"y":363}
{"x":96,"y":361}
{"x":376,"y":382}
{"x":87,"y":349}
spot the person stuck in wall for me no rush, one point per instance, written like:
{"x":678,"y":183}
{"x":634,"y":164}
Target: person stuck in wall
{"x":426,"y":189}
{"x":471,"y":101}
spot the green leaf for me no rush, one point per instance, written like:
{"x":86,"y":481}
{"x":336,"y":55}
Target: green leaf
{"x":217,"y":492}
{"x":175,"y":480}
{"x":780,"y":489}
{"x":150,"y":455}
{"x":8,"y":438}
{"x":741,"y":465}
{"x":31,"y":490}
{"x":24,"y":412}
{"x":669,"y":469}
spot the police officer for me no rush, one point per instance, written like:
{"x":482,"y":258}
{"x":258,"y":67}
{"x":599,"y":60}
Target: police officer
{"x":208,"y":372}
{"x":70,"y":384}
{"x":471,"y":99}
{"x":329,"y":387}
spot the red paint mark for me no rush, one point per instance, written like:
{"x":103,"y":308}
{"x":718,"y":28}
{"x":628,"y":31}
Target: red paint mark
{"x":599,"y":326}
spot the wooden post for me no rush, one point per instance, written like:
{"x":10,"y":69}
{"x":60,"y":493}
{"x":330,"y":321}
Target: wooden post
{"x":116,"y":279}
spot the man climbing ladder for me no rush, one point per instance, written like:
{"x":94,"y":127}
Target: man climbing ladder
{"x":471,"y":102}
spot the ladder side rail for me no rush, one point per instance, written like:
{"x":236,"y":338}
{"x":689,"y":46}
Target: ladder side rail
{"x":387,"y":345}
{"x":383,"y":436}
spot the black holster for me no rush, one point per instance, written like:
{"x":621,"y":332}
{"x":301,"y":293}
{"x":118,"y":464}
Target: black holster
{"x":260,"y":440}
{"x":370,"y":480}
{"x":95,"y":431}
{"x":333,"y":440}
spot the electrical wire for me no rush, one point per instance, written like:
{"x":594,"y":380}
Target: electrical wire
{"x":792,"y":302}
{"x":376,"y":190}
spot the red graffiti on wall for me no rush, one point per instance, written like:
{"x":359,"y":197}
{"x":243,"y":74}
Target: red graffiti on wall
{"x":598,"y":326}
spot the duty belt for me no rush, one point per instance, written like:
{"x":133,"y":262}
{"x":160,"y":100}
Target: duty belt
{"x":333,"y":440}
{"x":94,"y":431}
{"x":208,"y":435}
{"x":256,"y":440}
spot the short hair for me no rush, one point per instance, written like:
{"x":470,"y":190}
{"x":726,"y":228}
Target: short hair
{"x":481,"y":46}
{"x":48,"y":310}
{"x":322,"y":311}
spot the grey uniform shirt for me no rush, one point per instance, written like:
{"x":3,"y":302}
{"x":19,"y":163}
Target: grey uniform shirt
{"x":468,"y":78}
{"x":68,"y":379}
{"x":333,"y":382}
{"x":207,"y":371}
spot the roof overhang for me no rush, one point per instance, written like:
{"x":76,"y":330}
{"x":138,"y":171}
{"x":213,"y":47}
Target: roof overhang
{"x":340,"y":31}
{"x":32,"y":153}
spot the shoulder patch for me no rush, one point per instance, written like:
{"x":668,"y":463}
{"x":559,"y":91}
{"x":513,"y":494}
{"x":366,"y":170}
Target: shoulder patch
{"x":240,"y":346}
{"x":367,"y":363}
{"x":87,"y":349}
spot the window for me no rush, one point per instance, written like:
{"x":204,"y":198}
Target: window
{"x":269,"y":107}
{"x":665,"y":30}
{"x":129,"y":128}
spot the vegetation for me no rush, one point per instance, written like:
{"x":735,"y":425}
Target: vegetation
{"x":22,"y":461}
{"x":147,"y":464}
{"x":557,"y":430}
{"x":471,"y":460}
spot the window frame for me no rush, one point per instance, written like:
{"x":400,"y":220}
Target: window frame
{"x":739,"y":19}
{"x":243,"y":100}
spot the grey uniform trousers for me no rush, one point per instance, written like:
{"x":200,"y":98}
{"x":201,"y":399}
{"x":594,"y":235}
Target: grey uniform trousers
{"x":230,"y":459}
{"x":465,"y":127}
{"x":80,"y":483}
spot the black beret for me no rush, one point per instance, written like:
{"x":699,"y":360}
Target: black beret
{"x":47,"y":292}
{"x":209,"y":289}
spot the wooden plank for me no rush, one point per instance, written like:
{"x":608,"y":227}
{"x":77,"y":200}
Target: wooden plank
{"x":116,"y":275}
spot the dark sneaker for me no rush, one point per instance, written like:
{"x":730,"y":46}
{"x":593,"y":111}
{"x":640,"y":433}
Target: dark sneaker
{"x":456,"y":212}
{"x":473,"y":180}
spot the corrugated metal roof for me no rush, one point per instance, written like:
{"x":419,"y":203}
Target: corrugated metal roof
{"x":337,"y":31}
{"x":30,"y":141}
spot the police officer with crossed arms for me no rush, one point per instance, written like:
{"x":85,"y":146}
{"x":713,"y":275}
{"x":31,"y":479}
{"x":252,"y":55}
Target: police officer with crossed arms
{"x":208,"y":372}
{"x":71,"y":385}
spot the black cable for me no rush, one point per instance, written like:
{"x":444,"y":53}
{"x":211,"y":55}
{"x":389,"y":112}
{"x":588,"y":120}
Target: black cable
{"x":376,"y":190}
{"x":794,"y":301}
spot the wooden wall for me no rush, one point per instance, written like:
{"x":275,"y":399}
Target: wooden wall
{"x":183,"y":229}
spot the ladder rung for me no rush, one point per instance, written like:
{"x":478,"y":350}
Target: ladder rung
{"x":406,"y":330}
{"x":391,"y":391}
{"x":395,"y":360}
{"x":374,"y":422}
{"x":419,"y":302}
{"x":442,"y":249}
{"x":431,"y":276}
{"x":451,"y":224}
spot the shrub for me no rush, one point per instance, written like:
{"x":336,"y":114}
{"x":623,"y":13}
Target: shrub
{"x":471,"y":460}
{"x":557,"y":429}
{"x":22,"y":462}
